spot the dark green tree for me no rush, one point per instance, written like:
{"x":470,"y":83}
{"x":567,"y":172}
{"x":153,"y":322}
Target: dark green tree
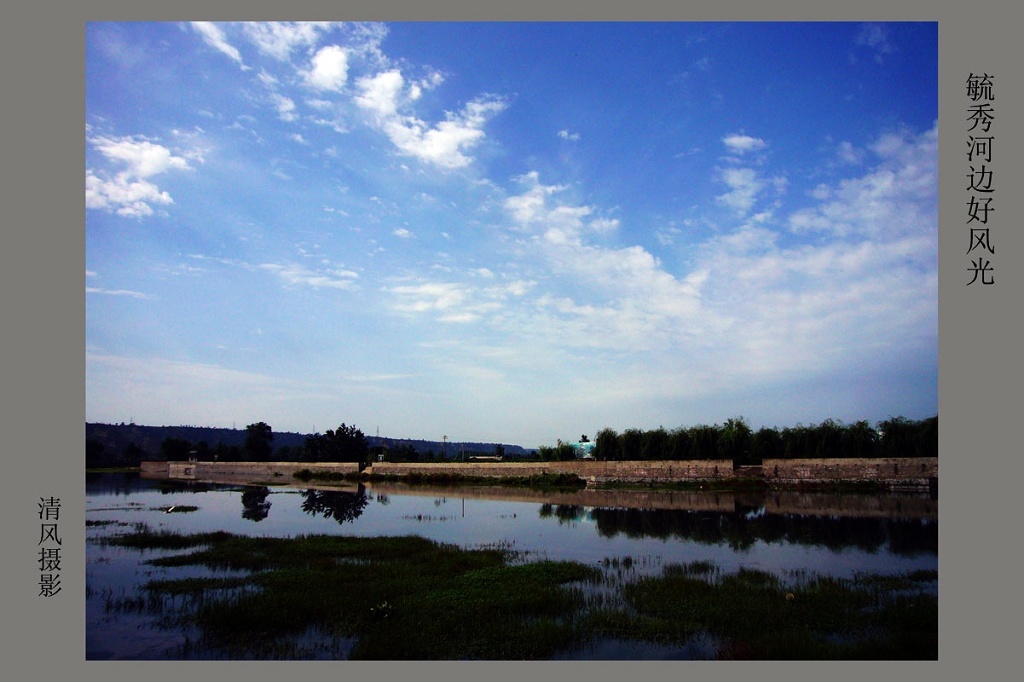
{"x":175,"y":449}
{"x":344,"y":444}
{"x":828,"y":438}
{"x":734,"y":441}
{"x":632,"y":444}
{"x":680,"y":445}
{"x":859,"y":440}
{"x":607,"y":446}
{"x":133,"y":454}
{"x":704,"y":442}
{"x":259,"y":439}
{"x":94,"y":453}
{"x":655,"y":444}
{"x":766,"y":443}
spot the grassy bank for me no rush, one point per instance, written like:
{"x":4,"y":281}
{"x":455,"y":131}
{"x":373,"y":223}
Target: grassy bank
{"x":408,"y":598}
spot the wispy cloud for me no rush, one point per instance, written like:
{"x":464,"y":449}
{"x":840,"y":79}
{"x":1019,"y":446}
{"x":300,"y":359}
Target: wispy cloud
{"x":215,"y":38}
{"x":875,"y":37}
{"x":116,"y":292}
{"x":297,"y":275}
{"x":280,"y":39}
{"x":897,"y":197}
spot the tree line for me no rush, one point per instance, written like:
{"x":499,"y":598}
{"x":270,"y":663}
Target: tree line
{"x":735,"y":440}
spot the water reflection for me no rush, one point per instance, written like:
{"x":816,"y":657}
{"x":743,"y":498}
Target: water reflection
{"x":335,"y":504}
{"x":255,"y":506}
{"x":635,"y":533}
{"x":741,"y":529}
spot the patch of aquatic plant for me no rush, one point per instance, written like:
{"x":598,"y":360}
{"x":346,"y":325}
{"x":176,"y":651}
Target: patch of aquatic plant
{"x":759,"y":615}
{"x":145,"y":537}
{"x":401,"y":598}
{"x":194,"y":586}
{"x":409,"y":598}
{"x":306,"y":475}
{"x":176,"y":509}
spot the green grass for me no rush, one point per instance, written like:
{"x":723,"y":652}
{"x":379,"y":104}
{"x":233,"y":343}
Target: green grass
{"x":408,"y":598}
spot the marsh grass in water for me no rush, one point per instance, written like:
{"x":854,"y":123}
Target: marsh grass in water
{"x":759,"y":615}
{"x":409,"y":598}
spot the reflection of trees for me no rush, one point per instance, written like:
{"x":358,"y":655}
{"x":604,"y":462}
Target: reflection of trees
{"x":565,"y":513}
{"x":741,"y":530}
{"x":254,"y":504}
{"x":335,"y":504}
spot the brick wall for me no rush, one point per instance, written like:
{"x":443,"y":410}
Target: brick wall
{"x":891,"y":471}
{"x":916,"y":470}
{"x":585,"y":469}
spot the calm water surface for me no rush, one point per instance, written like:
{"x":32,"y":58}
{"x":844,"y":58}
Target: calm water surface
{"x":777,"y":532}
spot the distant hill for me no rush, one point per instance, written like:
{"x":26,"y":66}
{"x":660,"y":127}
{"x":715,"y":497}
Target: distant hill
{"x":128,"y":443}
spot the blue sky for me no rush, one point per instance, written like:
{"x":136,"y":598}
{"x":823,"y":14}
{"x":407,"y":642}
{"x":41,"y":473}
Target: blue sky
{"x":510,"y":232}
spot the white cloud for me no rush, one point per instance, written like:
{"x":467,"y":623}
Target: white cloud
{"x":566,"y":135}
{"x":604,"y":225}
{"x":623,"y":298}
{"x":121,"y":195}
{"x":432,"y":296}
{"x":297,"y":275}
{"x":215,"y":38}
{"x":559,"y":224}
{"x":142,"y":157}
{"x":744,"y":185}
{"x":443,"y":144}
{"x":128,"y":192}
{"x":285,"y":107}
{"x":116,"y":292}
{"x":329,"y":69}
{"x":380,"y":94}
{"x":897,"y":197}
{"x":848,"y":154}
{"x":875,"y":37}
{"x":458,"y":302}
{"x":402,"y":233}
{"x":741,"y":144}
{"x":279,"y":39}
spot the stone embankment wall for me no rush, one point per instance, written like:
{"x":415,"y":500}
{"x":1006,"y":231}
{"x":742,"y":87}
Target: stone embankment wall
{"x":585,"y":469}
{"x":241,"y":472}
{"x":894,"y":472}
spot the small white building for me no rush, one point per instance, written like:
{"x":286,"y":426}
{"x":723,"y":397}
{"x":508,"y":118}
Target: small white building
{"x":584,"y":449}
